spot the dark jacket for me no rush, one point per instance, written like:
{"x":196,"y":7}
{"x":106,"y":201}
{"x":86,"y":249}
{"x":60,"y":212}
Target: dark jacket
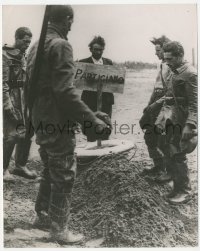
{"x":181,"y":84}
{"x":90,"y":97}
{"x":57,"y":105}
{"x":13,"y":89}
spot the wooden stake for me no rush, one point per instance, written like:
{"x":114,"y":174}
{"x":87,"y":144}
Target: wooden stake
{"x":193,"y":57}
{"x":99,"y":104}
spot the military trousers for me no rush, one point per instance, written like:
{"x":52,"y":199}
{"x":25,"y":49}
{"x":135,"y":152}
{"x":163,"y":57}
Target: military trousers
{"x":58,"y":176}
{"x":155,"y":145}
{"x":15,"y":136}
{"x":176,"y":159}
{"x":22,"y":149}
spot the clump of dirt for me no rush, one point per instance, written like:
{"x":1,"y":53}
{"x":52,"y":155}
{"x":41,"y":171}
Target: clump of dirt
{"x":113,"y":200}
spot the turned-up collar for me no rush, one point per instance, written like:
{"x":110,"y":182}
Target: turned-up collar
{"x":55,"y":28}
{"x":182,"y":68}
{"x":13,"y":52}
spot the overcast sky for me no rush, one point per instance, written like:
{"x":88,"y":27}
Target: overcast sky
{"x":126,"y":28}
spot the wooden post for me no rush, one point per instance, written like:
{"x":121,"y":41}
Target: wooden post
{"x":99,"y":104}
{"x":193,"y":57}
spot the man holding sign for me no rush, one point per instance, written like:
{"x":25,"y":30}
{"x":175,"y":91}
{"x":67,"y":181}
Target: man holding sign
{"x":97,"y":46}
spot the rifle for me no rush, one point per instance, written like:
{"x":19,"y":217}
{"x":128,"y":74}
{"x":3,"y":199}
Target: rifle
{"x":32,"y":93}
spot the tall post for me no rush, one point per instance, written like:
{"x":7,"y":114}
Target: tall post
{"x":99,"y":104}
{"x":193,"y":57}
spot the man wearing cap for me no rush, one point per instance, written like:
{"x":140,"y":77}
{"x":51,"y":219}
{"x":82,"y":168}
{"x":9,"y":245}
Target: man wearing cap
{"x":56,"y":108}
{"x":178,"y":119}
{"x":154,"y":140}
{"x":14,"y":107}
{"x":97,"y":46}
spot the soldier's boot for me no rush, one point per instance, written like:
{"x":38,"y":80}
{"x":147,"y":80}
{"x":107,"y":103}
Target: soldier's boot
{"x":67,"y":237}
{"x":166,"y":175}
{"x":21,"y":157}
{"x":179,"y":197}
{"x":7,"y":176}
{"x":182,"y":188}
{"x":171,"y":194}
{"x":157,"y":169}
{"x":157,"y":156}
{"x":24,"y":172}
{"x":42,"y":220}
{"x":59,"y":213}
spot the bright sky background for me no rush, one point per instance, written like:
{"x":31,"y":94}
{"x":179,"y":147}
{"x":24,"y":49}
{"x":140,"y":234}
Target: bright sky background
{"x":126,"y":28}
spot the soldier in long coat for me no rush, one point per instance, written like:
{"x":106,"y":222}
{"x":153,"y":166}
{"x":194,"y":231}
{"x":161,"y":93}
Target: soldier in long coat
{"x":56,"y":109}
{"x":154,"y":140}
{"x":14,"y":119}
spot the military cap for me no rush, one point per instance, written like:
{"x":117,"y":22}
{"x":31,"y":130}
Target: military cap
{"x":59,"y":12}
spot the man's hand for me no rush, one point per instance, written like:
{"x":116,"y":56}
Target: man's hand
{"x":103,"y":131}
{"x":100,"y":126}
{"x":188,"y":132}
{"x":161,"y":100}
{"x":104,"y":116}
{"x":155,"y":105}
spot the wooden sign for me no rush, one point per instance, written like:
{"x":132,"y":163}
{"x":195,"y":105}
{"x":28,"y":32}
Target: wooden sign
{"x":88,"y":76}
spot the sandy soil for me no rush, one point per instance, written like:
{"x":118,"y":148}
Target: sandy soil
{"x":113,"y":205}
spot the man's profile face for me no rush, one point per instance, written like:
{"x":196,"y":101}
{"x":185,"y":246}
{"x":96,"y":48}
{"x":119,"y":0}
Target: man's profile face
{"x":23,"y":43}
{"x":159,"y":51}
{"x":97,"y":51}
{"x":172,"y":61}
{"x":68,"y":23}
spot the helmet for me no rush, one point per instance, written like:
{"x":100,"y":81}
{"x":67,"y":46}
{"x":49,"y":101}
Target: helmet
{"x":59,"y":12}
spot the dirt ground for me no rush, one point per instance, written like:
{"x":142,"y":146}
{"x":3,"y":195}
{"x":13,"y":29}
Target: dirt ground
{"x":114,"y":205}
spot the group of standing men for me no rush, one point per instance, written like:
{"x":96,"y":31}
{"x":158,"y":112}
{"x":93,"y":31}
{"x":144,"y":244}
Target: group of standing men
{"x":170,"y":119}
{"x":57,"y":103}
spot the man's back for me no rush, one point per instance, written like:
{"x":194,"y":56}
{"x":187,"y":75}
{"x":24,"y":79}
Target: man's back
{"x":55,"y":95}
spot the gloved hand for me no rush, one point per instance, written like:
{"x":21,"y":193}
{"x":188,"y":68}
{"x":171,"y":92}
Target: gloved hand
{"x":188,"y":132}
{"x":100,"y":128}
{"x":103,"y":131}
{"x":104,"y":116}
{"x":156,"y":104}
